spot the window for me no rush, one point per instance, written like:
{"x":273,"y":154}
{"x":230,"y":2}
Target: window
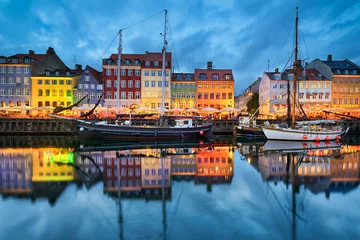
{"x":79,"y":95}
{"x":123,"y":95}
{"x":47,"y":82}
{"x":26,"y":91}
{"x":18,"y":91}
{"x":54,"y":82}
{"x":335,"y":79}
{"x":57,"y":73}
{"x":123,"y":83}
{"x":153,"y":83}
{"x":68,"y":93}
{"x":202,"y":76}
{"x":67,"y":73}
{"x":130,"y":72}
{"x":92,"y":95}
{"x":68,"y":82}
{"x":146,"y":83}
{"x":108,"y":95}
{"x":18,"y":80}
{"x":199,"y":95}
{"x":159,"y":83}
{"x":2,"y":69}
{"x":228,"y":76}
{"x":153,"y":73}
{"x":18,"y":69}
{"x":47,"y":92}
{"x":123,"y":72}
{"x":108,"y":72}
{"x":54,"y":92}
{"x":146,"y":73}
{"x":130,"y":95}
{"x":116,"y":84}
{"x":137,"y":62}
{"x":215,"y":77}
{"x":108,"y":83}
{"x":87,"y":78}
{"x":137,"y":83}
{"x":61,"y":82}
{"x":130,"y":84}
{"x":99,"y":87}
{"x":137,"y":95}
{"x":92,"y":86}
{"x":147,"y":63}
{"x":223,"y":96}
{"x":10,"y":91}
{"x":61,"y":92}
{"x":26,"y":80}
{"x":137,"y":72}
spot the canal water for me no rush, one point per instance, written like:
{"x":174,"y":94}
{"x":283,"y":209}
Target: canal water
{"x":63,"y":188}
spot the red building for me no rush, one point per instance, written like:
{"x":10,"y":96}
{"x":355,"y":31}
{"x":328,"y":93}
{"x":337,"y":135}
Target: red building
{"x":130,"y":80}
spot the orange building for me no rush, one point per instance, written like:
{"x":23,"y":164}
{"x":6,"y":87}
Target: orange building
{"x":215,"y":87}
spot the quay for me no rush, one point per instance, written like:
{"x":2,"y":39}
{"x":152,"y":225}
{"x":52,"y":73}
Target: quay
{"x":55,"y":127}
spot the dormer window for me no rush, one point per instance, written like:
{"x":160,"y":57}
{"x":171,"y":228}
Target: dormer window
{"x":15,"y":60}
{"x":354,"y":71}
{"x":27,"y":60}
{"x":67,"y":73}
{"x":178,"y":77}
{"x":109,"y":62}
{"x":127,"y":61}
{"x":228,"y":76}
{"x":137,"y":62}
{"x":346,"y":71}
{"x":215,"y":76}
{"x":47,"y":73}
{"x":319,"y":76}
{"x":202,"y":76}
{"x":156,"y":64}
{"x":147,"y":63}
{"x":338,"y":71}
{"x":187,"y":77}
{"x":57,"y":73}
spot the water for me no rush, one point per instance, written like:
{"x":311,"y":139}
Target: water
{"x":61,"y":188}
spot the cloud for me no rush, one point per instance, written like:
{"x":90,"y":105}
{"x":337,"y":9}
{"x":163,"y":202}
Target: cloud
{"x":81,"y":43}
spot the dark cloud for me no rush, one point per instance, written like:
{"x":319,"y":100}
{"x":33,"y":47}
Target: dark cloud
{"x":241,"y":35}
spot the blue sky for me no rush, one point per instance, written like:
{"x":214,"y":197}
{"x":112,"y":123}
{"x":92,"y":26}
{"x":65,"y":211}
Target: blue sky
{"x":238,"y":35}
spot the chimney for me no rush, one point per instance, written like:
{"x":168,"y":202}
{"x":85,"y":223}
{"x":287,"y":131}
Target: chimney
{"x":50,"y":51}
{"x":209,"y":65}
{"x":78,"y":67}
{"x":329,"y":58}
{"x":146,"y":52}
{"x":276,"y":70}
{"x":31,"y":52}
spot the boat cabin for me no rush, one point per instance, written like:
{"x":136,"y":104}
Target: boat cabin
{"x":247,"y":121}
{"x":183,"y":123}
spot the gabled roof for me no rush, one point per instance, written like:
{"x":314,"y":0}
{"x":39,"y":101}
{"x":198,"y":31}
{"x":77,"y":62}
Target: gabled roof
{"x":96,"y":74}
{"x":309,"y":74}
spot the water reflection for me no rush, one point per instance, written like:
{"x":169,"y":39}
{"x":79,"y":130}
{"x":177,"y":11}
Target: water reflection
{"x":159,"y":174}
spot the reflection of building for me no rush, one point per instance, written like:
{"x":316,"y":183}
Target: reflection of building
{"x":90,"y":166}
{"x":50,"y":164}
{"x":214,"y":165}
{"x":183,"y":164}
{"x":15,"y":170}
{"x":130,"y":168}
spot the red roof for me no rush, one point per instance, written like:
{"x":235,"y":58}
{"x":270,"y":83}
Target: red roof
{"x":210,"y":72}
{"x":97,"y":75}
{"x":143,"y":58}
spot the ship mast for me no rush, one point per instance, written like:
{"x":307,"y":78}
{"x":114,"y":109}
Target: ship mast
{"x":293,"y":115}
{"x":118,"y":74}
{"x":163,"y":68}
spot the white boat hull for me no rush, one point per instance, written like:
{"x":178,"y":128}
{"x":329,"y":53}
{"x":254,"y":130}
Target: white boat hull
{"x":300,"y":135}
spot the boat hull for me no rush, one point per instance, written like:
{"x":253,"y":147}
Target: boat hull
{"x":88,"y":129}
{"x":300,"y":135}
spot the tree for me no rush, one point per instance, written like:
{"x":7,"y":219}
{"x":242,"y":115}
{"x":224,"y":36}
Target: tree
{"x":253,"y":104}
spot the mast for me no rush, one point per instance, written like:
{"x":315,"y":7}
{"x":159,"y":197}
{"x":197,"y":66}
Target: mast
{"x":118,"y":75}
{"x":163,"y":68}
{"x":293,"y":117}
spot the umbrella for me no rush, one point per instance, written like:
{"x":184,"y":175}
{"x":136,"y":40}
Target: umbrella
{"x":191,"y":110}
{"x":142,"y":109}
{"x":228,"y":109}
{"x":159,"y":109}
{"x":210,"y":109}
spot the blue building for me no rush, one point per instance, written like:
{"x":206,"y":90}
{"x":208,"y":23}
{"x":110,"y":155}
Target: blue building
{"x":91,"y":83}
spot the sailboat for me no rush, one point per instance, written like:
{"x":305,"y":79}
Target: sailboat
{"x":183,"y":128}
{"x":306,"y":131}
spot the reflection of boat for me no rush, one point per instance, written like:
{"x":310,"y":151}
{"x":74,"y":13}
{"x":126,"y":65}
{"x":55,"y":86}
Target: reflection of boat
{"x":292,"y":146}
{"x":314,"y":130}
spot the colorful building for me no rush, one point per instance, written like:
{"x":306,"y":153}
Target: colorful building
{"x":151,"y":80}
{"x":183,"y":90}
{"x":54,"y":88}
{"x":15,"y":82}
{"x":130,"y":80}
{"x":215,"y":88}
{"x":89,"y":83}
{"x":243,"y":99}
{"x":345,"y":77}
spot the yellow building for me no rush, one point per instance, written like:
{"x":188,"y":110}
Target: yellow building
{"x":53,"y":89}
{"x":151,"y":81}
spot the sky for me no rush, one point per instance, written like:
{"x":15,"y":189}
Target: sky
{"x":247,"y":36}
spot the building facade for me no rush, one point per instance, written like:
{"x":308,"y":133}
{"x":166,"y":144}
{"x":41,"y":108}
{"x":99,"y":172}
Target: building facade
{"x":183,"y":90}
{"x":130,"y":80}
{"x":89,"y":83}
{"x":151,"y":84}
{"x":15,"y":82}
{"x":243,"y":99}
{"x":214,"y":88}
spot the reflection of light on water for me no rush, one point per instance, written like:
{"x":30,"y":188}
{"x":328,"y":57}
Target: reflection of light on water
{"x":249,"y":160}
